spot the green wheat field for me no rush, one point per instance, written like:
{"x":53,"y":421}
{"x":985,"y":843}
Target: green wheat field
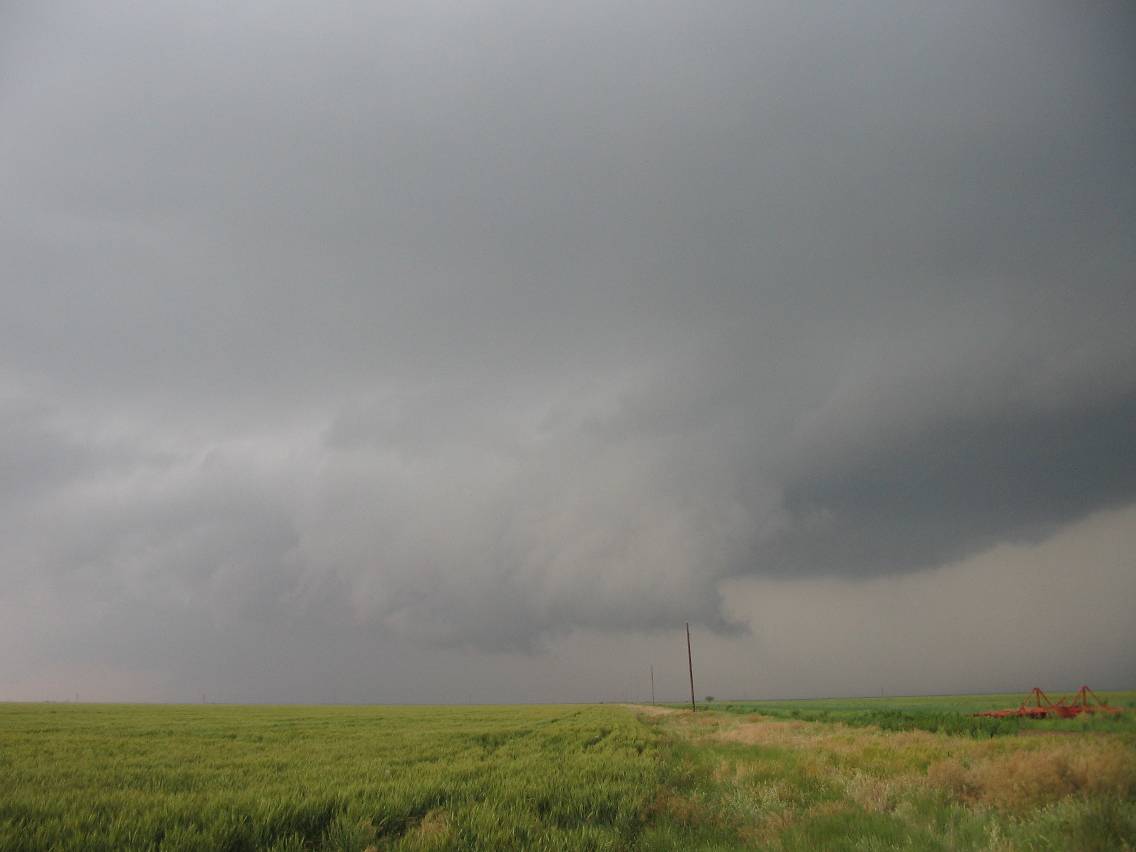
{"x":867,"y":774}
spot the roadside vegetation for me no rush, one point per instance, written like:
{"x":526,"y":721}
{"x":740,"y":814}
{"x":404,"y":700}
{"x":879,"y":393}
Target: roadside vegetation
{"x":790,"y":784}
{"x":102,"y":777}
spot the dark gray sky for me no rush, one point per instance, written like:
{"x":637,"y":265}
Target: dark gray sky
{"x":430,"y":351}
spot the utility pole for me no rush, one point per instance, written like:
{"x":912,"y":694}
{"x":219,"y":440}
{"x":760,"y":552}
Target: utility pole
{"x":652,"y":686}
{"x":690,"y":665}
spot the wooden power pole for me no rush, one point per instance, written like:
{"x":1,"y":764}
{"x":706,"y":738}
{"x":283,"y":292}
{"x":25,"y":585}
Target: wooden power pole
{"x":690,"y":666}
{"x":652,"y":686}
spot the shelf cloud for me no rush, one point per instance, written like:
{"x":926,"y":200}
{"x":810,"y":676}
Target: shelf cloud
{"x":428,"y":338}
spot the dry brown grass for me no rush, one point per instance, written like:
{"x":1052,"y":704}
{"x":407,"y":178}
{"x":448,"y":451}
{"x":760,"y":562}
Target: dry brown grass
{"x":878,"y":768}
{"x":682,"y":810}
{"x":652,"y":710}
{"x":1029,"y":777}
{"x":833,"y":738}
{"x":433,"y":832}
{"x":880,"y":795}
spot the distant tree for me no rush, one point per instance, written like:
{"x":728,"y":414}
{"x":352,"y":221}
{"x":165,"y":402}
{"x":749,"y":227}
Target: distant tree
{"x":709,"y":699}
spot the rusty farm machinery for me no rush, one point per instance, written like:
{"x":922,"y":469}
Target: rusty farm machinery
{"x":1037,"y":705}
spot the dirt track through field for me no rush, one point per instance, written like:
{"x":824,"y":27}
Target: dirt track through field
{"x":651,"y":709}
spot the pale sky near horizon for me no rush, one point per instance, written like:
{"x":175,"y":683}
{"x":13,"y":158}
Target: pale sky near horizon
{"x":439,"y":351}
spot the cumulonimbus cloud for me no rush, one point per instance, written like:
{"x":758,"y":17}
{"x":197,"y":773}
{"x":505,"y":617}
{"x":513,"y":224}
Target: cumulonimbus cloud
{"x":481,"y":329}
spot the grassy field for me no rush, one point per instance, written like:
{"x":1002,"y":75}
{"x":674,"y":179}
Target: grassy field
{"x":942,"y":713}
{"x":791,"y":784}
{"x":228,"y":777}
{"x":107,"y":777}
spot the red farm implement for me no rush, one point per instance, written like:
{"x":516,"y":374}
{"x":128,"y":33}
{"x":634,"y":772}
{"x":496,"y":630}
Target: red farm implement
{"x":1036,"y":705}
{"x":1087,"y":701}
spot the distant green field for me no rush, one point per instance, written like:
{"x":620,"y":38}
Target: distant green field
{"x":946,"y":713}
{"x":110,"y":777}
{"x":932,"y":703}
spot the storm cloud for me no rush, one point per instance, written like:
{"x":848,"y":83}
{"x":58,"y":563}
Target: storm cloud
{"x":354,"y":352}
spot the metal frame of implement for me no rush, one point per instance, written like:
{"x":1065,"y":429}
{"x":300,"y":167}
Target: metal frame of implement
{"x":1037,"y":705}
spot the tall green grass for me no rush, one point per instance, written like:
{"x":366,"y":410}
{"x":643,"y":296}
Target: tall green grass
{"x":244,"y":778}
